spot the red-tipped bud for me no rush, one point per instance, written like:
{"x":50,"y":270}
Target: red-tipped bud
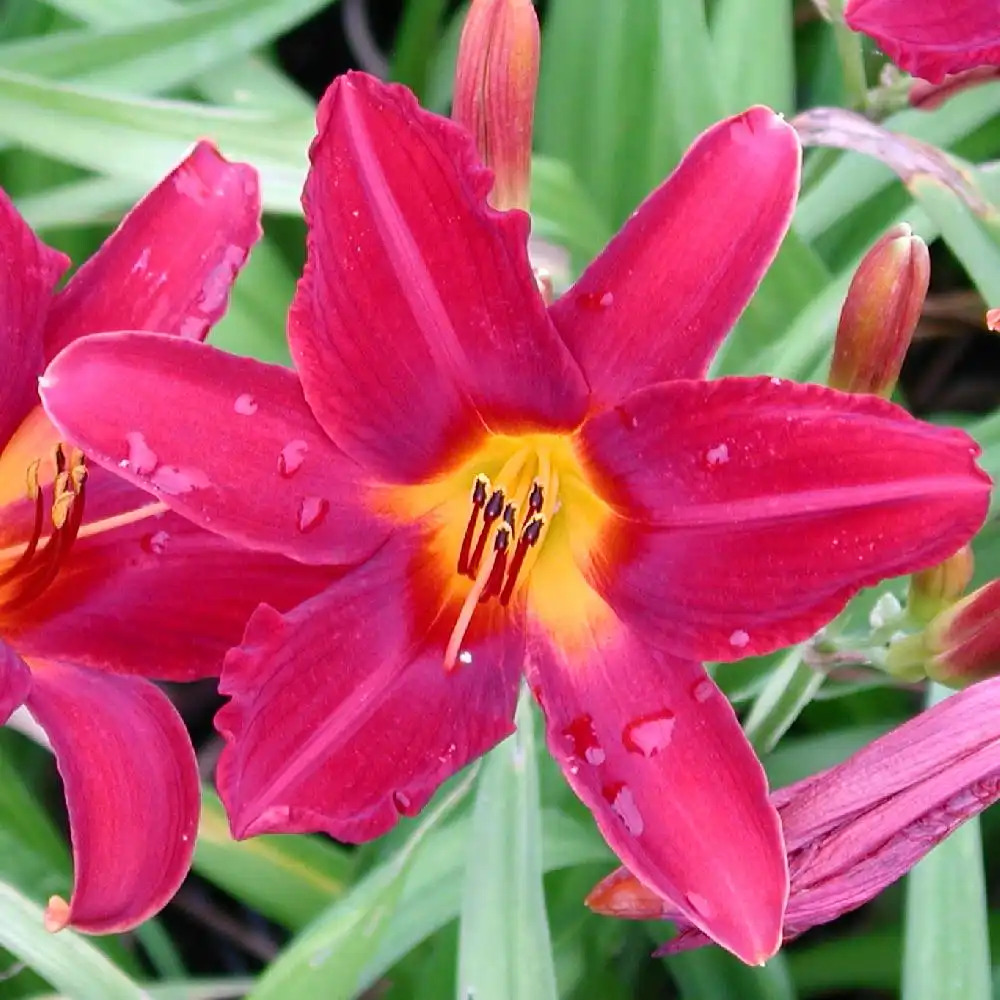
{"x":938,"y":588}
{"x":621,"y":894}
{"x":495,"y":83}
{"x":928,"y":96}
{"x":880,"y":314}
{"x":964,"y":642}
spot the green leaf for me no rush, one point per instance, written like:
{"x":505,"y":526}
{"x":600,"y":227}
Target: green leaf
{"x":710,"y":973}
{"x":67,"y":960}
{"x":287,"y":879}
{"x":788,"y":691}
{"x":946,"y":950}
{"x":326,"y":960}
{"x":416,"y":41}
{"x":433,"y":893}
{"x":754,"y":56}
{"x":504,"y":945}
{"x":157,"y":56}
{"x":142,"y":139}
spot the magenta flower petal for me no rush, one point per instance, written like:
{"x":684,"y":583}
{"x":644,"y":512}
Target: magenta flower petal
{"x":170,"y":265}
{"x":657,"y":302}
{"x":751,"y":480}
{"x":228,"y":442}
{"x":28,"y":272}
{"x":342,"y":714}
{"x":656,"y":753}
{"x":931,"y":38}
{"x":159,"y":598}
{"x":15,"y":681}
{"x":132,"y":789}
{"x":417,"y":319}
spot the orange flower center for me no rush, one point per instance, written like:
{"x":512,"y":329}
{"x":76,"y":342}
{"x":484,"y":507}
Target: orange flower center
{"x":26,"y":570}
{"x":520,"y":508}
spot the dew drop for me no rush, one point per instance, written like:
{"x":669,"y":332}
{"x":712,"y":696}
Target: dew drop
{"x":465,"y":657}
{"x":718,"y":455}
{"x":156,"y":543}
{"x":312,"y":513}
{"x":403,"y":803}
{"x":583,"y":741}
{"x":141,"y":457}
{"x":650,"y":734}
{"x":595,"y":301}
{"x":174,"y":479}
{"x":245,"y":405}
{"x":702,"y":691}
{"x":607,"y":300}
{"x":739,"y":638}
{"x":623,"y":805}
{"x":776,"y":381}
{"x":291,"y":457}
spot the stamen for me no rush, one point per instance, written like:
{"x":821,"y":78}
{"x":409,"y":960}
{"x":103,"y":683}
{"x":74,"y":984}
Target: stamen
{"x":480,"y":489}
{"x":529,"y":537}
{"x":501,"y":545}
{"x":468,"y":609}
{"x":494,"y":507}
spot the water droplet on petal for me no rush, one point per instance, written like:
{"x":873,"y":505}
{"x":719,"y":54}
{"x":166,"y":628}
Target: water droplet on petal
{"x":607,"y":299}
{"x":174,"y":479}
{"x":776,"y":381}
{"x":624,"y":806}
{"x":245,"y":405}
{"x":141,"y":457}
{"x":156,"y":543}
{"x":291,"y":457}
{"x":650,"y":734}
{"x":718,"y":455}
{"x":403,"y":804}
{"x":703,"y":690}
{"x":465,"y":657}
{"x":584,"y":744}
{"x":312,"y":513}
{"x":739,"y":638}
{"x":595,"y":301}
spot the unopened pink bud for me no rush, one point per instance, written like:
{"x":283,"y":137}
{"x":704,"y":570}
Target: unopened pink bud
{"x":880,"y":314}
{"x":495,"y":83}
{"x":963,"y":642}
{"x":993,"y":320}
{"x":938,"y":588}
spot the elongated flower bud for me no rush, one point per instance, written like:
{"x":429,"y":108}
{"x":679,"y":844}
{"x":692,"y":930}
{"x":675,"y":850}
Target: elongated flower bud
{"x":880,"y":314}
{"x":963,"y":642}
{"x":495,"y":83}
{"x":938,"y":588}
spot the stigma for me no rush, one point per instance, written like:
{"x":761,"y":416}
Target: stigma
{"x":507,"y":522}
{"x":36,"y":564}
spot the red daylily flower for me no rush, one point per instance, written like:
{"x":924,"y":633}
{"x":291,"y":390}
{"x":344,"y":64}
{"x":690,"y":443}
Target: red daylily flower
{"x":555,"y":491}
{"x":854,"y":829}
{"x":101,"y":586}
{"x":931,"y":38}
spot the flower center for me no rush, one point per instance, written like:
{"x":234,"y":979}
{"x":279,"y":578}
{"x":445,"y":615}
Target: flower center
{"x":504,"y":533}
{"x":35,"y":564}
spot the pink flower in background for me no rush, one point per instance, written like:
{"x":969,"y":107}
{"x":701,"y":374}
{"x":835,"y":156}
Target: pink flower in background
{"x":931,"y":38}
{"x":854,"y":829}
{"x":101,"y":586}
{"x":557,"y":491}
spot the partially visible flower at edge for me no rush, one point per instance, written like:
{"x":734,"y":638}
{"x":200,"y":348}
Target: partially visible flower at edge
{"x":854,"y":829}
{"x":930,"y":96}
{"x":931,"y":38}
{"x":513,"y":483}
{"x":100,"y":585}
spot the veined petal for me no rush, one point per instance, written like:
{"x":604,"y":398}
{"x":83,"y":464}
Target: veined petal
{"x":931,"y":38}
{"x":29,"y":271}
{"x":753,"y":509}
{"x":417,"y":320}
{"x":656,"y":304}
{"x":170,"y":264}
{"x":342,"y":714}
{"x":656,"y":753}
{"x":15,"y":681}
{"x":132,"y":789}
{"x":158,"y":597}
{"x":228,"y":442}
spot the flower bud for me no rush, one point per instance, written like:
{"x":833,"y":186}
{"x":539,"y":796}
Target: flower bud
{"x":935,"y":589}
{"x":964,"y":641}
{"x":495,"y":83}
{"x":993,"y":320}
{"x":880,"y":314}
